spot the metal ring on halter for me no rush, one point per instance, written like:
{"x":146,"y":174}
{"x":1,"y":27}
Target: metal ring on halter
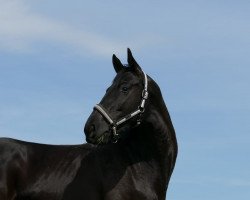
{"x":142,"y":109}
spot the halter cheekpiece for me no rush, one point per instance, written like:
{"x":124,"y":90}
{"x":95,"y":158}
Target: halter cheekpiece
{"x":114,"y":124}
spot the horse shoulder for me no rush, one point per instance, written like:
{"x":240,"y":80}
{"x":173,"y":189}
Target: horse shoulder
{"x":13,"y":157}
{"x":139,"y":182}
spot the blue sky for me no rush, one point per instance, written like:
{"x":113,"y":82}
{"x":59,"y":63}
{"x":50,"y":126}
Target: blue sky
{"x":56,"y":63}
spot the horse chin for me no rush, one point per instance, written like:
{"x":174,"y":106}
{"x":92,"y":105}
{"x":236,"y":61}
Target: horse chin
{"x":108,"y":137}
{"x":104,"y":138}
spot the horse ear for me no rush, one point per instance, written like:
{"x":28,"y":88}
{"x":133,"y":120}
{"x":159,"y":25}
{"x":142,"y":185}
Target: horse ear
{"x":132,"y":62}
{"x":118,"y":66}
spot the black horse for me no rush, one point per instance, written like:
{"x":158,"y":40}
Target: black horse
{"x":131,"y":157}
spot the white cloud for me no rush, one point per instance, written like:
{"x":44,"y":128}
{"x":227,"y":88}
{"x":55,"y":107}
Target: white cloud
{"x":20,"y":28}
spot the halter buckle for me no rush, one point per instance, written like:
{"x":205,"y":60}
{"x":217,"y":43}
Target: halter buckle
{"x":144,"y":94}
{"x":115,"y":135}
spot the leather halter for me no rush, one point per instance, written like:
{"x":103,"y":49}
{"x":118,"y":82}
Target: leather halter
{"x":114,"y":124}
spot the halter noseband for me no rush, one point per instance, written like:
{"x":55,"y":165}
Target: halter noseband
{"x":140,"y":110}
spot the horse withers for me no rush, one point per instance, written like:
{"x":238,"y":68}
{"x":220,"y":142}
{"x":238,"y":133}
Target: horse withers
{"x":130,"y":156}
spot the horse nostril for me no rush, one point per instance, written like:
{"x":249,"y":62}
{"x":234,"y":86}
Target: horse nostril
{"x":91,"y":130}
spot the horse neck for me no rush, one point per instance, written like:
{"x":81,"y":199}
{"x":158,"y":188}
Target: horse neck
{"x":154,"y":139}
{"x":161,"y":125}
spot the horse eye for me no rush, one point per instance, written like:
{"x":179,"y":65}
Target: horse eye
{"x":124,"y":89}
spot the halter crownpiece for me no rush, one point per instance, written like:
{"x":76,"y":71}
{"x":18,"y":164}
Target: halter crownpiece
{"x":114,"y":124}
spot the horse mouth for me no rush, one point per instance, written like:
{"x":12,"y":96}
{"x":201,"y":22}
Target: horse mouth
{"x":103,"y":139}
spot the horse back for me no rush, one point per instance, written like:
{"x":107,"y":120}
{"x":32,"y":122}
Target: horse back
{"x":37,"y":171}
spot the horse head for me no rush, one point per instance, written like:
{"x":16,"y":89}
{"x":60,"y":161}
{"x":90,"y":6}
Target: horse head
{"x":125,"y":105}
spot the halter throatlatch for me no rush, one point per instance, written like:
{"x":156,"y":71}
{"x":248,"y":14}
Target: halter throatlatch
{"x":114,"y":124}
